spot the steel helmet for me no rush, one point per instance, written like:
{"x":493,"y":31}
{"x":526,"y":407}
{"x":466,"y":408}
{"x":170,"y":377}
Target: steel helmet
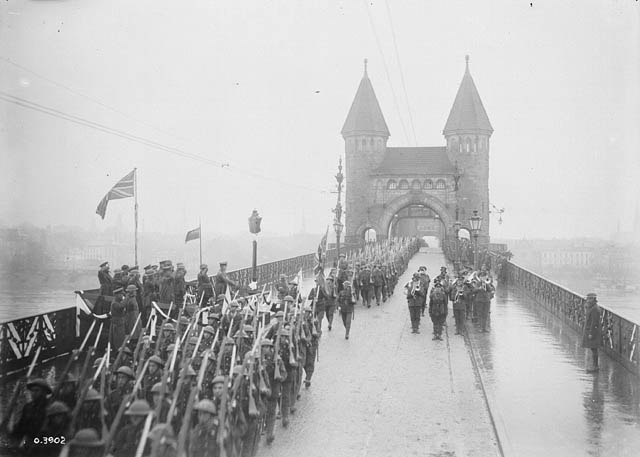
{"x":207,"y":406}
{"x":126,"y":371}
{"x":138,"y":408}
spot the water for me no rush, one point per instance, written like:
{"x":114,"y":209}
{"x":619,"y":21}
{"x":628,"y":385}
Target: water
{"x":24,"y":303}
{"x":543,"y":401}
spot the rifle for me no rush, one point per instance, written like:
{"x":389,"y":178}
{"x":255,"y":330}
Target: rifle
{"x":123,"y":345}
{"x":73,"y":357}
{"x":16,"y":392}
{"x":103,"y":381}
{"x":276,"y":374}
{"x":87,"y":384}
{"x":145,"y":434}
{"x":186,"y":420}
{"x":123,"y":405}
{"x":222,"y":413}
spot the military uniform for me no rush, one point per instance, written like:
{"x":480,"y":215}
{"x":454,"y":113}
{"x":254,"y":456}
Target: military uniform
{"x":117,"y":320}
{"x":438,"y":309}
{"x":366,"y":286}
{"x":416,"y":296}
{"x":378,"y":279}
{"x":346,"y":303}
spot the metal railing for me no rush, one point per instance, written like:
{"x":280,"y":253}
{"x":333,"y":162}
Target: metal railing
{"x":620,"y":336}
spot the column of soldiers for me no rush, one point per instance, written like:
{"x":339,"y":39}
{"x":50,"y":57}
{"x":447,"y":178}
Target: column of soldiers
{"x":186,"y":374}
{"x":470,"y":295}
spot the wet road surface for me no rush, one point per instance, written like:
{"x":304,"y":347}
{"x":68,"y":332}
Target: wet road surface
{"x":542,"y":400}
{"x":387,"y":392}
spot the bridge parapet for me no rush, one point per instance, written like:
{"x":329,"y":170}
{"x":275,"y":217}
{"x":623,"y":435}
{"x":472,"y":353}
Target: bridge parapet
{"x":620,"y":336}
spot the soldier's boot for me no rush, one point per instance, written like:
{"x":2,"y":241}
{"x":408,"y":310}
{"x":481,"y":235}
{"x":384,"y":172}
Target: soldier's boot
{"x":330,"y":320}
{"x":270,"y":420}
{"x":286,"y":403}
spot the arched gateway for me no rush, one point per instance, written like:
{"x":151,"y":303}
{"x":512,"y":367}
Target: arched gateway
{"x":416,"y":190}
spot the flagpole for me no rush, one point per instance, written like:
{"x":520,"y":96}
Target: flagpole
{"x":200,"y":227}
{"x":135,"y":207}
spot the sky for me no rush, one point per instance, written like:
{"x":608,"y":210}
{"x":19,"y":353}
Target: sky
{"x":257,"y":92}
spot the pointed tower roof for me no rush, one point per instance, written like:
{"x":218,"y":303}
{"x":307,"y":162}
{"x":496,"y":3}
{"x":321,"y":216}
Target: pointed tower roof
{"x":467,"y":113}
{"x":365,"y":116}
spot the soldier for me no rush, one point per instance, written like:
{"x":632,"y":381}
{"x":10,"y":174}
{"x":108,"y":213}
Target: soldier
{"x":343,"y":266}
{"x":222,"y":280}
{"x":377,"y":277}
{"x":126,"y":442}
{"x":117,"y":319}
{"x":152,"y":377}
{"x":482,"y":303}
{"x":155,"y":399}
{"x":169,"y":337}
{"x":208,"y":334}
{"x":86,"y":443}
{"x":90,"y":414}
{"x":415,"y":297}
{"x":203,"y":440}
{"x":68,"y":393}
{"x":106,"y":281}
{"x":387,"y":283}
{"x":233,"y":319}
{"x":179,"y":285}
{"x":269,"y":362}
{"x":366,"y":285}
{"x":356,"y":282}
{"x":461,"y":295}
{"x":312,"y":337}
{"x":205,"y":288}
{"x":346,"y":304}
{"x":281,"y":287}
{"x":591,"y":332}
{"x":319,"y":295}
{"x":163,"y":441}
{"x":330,"y":301}
{"x":131,"y":309}
{"x":149,"y":292}
{"x":56,"y":426}
{"x":166,"y":286}
{"x":438,"y":308}
{"x":424,"y":285}
{"x":124,"y":386}
{"x":134,"y":279}
{"x":34,"y":413}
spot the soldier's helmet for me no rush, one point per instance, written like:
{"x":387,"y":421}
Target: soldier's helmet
{"x":57,"y":407}
{"x":190,"y":371}
{"x":248,"y":328}
{"x":218,"y":380}
{"x":209,"y":329}
{"x":288,"y":298}
{"x":234,"y":304}
{"x":157,"y":360}
{"x":138,"y":408}
{"x":160,"y":431}
{"x":308,"y":308}
{"x":266,"y":342}
{"x":126,"y":371}
{"x":86,"y":437}
{"x":97,"y":362}
{"x":156,"y":388}
{"x":193,"y":340}
{"x":169,"y":326}
{"x":39,"y":382}
{"x":237,"y":369}
{"x":171,"y":347}
{"x":92,"y":395}
{"x":206,"y":406}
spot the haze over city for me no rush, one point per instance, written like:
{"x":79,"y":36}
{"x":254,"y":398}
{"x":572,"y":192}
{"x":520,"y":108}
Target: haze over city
{"x":260,"y":90}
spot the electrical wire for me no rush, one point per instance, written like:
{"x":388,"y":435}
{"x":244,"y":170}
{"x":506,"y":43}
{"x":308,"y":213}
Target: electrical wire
{"x":386,"y":70}
{"x":404,"y":86}
{"x":146,"y":142}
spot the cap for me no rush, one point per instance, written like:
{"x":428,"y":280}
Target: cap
{"x":39,"y":382}
{"x":124,"y":267}
{"x":138,"y":408}
{"x":86,"y":437}
{"x":104,"y":264}
{"x":131,"y":288}
{"x":57,"y":407}
{"x":206,"y":406}
{"x":204,"y":266}
{"x":224,"y":263}
{"x":346,"y":283}
{"x":592,"y":295}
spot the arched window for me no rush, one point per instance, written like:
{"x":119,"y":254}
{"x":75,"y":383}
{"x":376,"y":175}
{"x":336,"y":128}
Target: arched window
{"x":404,"y":185}
{"x":371,"y":142}
{"x":428,"y":184}
{"x":440,"y":184}
{"x":416,"y":185}
{"x":392,"y":184}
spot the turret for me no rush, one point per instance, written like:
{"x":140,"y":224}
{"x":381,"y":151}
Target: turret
{"x":365,"y":135}
{"x":467,"y":132}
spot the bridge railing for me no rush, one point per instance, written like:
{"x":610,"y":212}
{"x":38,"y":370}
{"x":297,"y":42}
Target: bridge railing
{"x":620,"y":336}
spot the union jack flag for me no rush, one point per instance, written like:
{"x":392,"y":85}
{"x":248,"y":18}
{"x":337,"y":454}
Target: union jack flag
{"x":321,"y":253}
{"x":123,"y":189}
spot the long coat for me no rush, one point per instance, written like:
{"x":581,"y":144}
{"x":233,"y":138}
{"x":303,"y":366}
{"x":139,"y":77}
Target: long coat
{"x":592,"y":333}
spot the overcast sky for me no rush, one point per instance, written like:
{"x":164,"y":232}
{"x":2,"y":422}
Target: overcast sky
{"x":265,"y":86}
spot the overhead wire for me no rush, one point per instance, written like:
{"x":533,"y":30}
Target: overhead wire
{"x":404,"y":86}
{"x":386,"y":70}
{"x":146,"y":142}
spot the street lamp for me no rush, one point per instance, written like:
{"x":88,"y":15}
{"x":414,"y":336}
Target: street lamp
{"x":475,"y":222}
{"x":456,"y":255}
{"x":254,"y":228}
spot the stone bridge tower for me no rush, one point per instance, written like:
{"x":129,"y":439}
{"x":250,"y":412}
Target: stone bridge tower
{"x":387,"y":187}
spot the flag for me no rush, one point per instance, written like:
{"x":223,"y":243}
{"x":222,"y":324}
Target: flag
{"x":320,"y":253}
{"x":192,"y":235}
{"x":123,"y":189}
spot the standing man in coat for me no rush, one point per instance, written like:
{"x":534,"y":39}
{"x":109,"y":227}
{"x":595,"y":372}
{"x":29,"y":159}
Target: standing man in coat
{"x":416,"y":296}
{"x":106,"y":281}
{"x":592,"y":333}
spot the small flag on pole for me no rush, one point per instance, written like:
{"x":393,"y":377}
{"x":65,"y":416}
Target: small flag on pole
{"x":123,"y":189}
{"x":321,"y":253}
{"x":192,"y":235}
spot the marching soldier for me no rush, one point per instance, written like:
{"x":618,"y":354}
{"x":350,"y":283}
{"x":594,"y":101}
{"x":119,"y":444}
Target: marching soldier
{"x":461,"y":295}
{"x":330,"y":301}
{"x":86,"y":443}
{"x":438,"y":308}
{"x":356,"y":281}
{"x":152,"y":377}
{"x":33,"y":415}
{"x":424,"y":285}
{"x":366,"y":285}
{"x":269,"y":362}
{"x":203,"y":440}
{"x":311,"y":345}
{"x":282,"y":287}
{"x":124,"y":386}
{"x":378,"y":280}
{"x":126,"y":442}
{"x":346,"y":303}
{"x":415,"y":297}
{"x":91,"y":414}
{"x":319,"y":294}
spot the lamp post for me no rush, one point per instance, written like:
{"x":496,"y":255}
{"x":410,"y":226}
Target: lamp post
{"x":254,"y":228}
{"x":337,"y":222}
{"x":475,"y":222}
{"x":456,"y":255}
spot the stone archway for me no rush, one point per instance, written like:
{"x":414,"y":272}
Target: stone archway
{"x":394,"y":206}
{"x":367,"y":226}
